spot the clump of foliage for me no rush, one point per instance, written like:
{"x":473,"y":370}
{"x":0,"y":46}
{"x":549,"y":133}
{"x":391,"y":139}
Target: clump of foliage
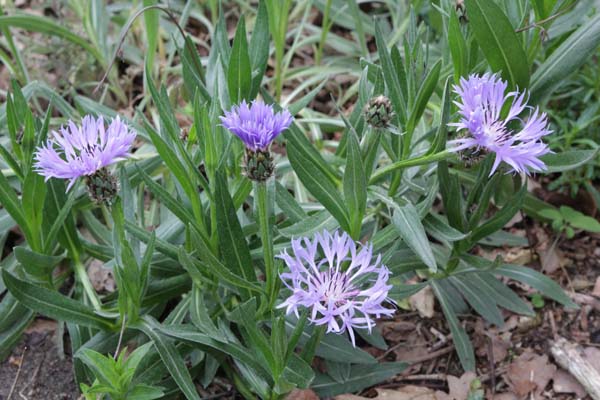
{"x":245,"y":243}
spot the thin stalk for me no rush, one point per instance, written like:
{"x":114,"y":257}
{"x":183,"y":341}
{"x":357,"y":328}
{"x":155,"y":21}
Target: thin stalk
{"x":413,"y":162}
{"x":324,"y":31}
{"x":84,"y":279}
{"x":266,"y":236}
{"x":120,"y":337}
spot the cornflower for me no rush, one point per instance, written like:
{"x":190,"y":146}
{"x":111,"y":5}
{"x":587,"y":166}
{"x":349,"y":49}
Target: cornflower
{"x":340,"y":281}
{"x":482,"y":99}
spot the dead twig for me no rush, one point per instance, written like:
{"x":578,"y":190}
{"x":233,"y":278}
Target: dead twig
{"x":567,"y":355}
{"x":14,"y":384}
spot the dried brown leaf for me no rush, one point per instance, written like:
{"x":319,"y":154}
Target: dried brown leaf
{"x":563,"y":382}
{"x":529,"y":373}
{"x":423,"y":301}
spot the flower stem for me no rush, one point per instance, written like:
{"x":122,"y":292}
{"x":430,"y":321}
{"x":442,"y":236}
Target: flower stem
{"x":427,"y":159}
{"x":83,"y":277}
{"x":266,"y":236}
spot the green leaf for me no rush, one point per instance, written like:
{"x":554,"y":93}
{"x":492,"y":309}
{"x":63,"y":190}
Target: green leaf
{"x":536,"y":280}
{"x":151,"y":23}
{"x":501,"y":293}
{"x":498,"y":41}
{"x":35,"y":23}
{"x":408,"y":224}
{"x":193,"y":71}
{"x":565,"y":59}
{"x":53,"y":304}
{"x":144,"y":392}
{"x":452,"y":197}
{"x":191,"y":335}
{"x":437,"y":227}
{"x":458,"y":47}
{"x":355,"y":184}
{"x":333,"y":347}
{"x":58,"y":210}
{"x":35,"y":263}
{"x":390,"y":76}
{"x":500,"y":218}
{"x":232,"y":241}
{"x":316,"y":222}
{"x":11,"y":336}
{"x":424,"y":94}
{"x":10,"y":201}
{"x":104,"y":368}
{"x":239,"y":73}
{"x":288,"y":204}
{"x":170,"y":357}
{"x":478,"y":299}
{"x":360,"y":377}
{"x":567,"y":160}
{"x":463,"y":346}
{"x":298,"y":372}
{"x":580,"y":220}
{"x":318,"y":183}
{"x":259,"y":47}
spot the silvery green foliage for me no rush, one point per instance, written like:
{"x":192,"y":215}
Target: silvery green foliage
{"x":192,"y":242}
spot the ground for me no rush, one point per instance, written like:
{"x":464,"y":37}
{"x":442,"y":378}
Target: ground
{"x":36,"y":370}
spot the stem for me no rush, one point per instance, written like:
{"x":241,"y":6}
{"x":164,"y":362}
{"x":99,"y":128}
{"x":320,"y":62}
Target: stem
{"x":266,"y":236}
{"x":413,"y":162}
{"x":83,"y":277}
{"x":324,"y":31}
{"x":120,"y":338}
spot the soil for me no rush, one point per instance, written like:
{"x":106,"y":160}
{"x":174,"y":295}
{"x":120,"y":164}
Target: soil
{"x":38,"y":368}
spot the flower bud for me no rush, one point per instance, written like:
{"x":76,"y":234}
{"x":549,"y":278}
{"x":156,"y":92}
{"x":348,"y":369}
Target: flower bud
{"x":379,"y":112}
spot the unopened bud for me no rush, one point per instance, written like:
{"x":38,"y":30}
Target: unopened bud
{"x":379,"y":112}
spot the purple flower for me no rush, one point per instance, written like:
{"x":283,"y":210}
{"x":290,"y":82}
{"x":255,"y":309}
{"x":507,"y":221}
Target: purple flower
{"x":482,"y":99}
{"x":78,"y":151}
{"x":256,"y":124}
{"x":338,"y":280}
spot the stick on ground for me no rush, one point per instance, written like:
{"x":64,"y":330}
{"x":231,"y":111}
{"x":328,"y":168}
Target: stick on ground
{"x":568,"y":356}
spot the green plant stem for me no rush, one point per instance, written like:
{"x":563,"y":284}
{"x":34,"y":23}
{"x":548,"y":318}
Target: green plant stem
{"x":266,"y":236}
{"x":413,"y":162}
{"x":324,"y":31}
{"x":83,"y":277}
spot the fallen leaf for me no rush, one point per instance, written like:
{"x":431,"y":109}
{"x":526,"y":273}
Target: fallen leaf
{"x":409,"y":392}
{"x":596,"y":290}
{"x":505,"y":396}
{"x":563,"y":382}
{"x":101,"y":277}
{"x":423,"y":301}
{"x":42,"y":326}
{"x":500,"y":341}
{"x":592,"y":355}
{"x":459,"y":388}
{"x":550,"y":259}
{"x":304,"y":394}
{"x":529,"y":373}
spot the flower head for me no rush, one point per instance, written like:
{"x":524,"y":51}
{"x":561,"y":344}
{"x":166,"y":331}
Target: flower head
{"x":339,"y":281}
{"x":482,"y":99}
{"x":379,"y":112}
{"x":83,"y":150}
{"x":257,"y":125}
